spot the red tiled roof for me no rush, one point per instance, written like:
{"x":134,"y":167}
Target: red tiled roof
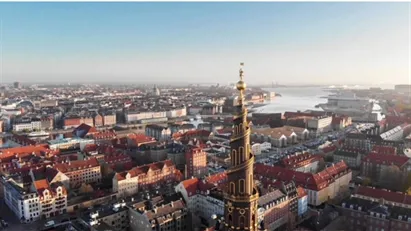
{"x":117,"y":158}
{"x":296,"y":161}
{"x":225,"y":130}
{"x":109,"y":134}
{"x":301,"y":192}
{"x":384,"y":159}
{"x":380,"y":149}
{"x":75,"y":165}
{"x":218,"y":178}
{"x":387,"y":195}
{"x":191,"y":186}
{"x":330,"y":148}
{"x":144,"y":169}
{"x":8,"y":154}
{"x":396,"y":120}
{"x":198,"y":132}
{"x":306,"y":180}
{"x":141,"y":138}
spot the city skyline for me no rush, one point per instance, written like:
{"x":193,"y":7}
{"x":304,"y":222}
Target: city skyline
{"x":288,"y":43}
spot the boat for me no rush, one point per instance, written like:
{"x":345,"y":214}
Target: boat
{"x":37,"y":134}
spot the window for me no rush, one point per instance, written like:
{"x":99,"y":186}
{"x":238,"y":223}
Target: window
{"x":232,"y":187}
{"x":241,"y":154}
{"x":241,"y":186}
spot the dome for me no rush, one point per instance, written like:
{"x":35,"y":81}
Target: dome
{"x":241,"y":85}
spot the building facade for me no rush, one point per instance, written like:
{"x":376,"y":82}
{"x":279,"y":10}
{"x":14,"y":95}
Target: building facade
{"x":196,"y":160}
{"x":81,"y":171}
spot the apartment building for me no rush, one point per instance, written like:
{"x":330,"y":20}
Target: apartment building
{"x":71,"y":122}
{"x":374,"y":164}
{"x":81,"y":171}
{"x":204,"y":197}
{"x":98,"y":120}
{"x":47,"y":123}
{"x":196,"y":162}
{"x":301,"y":162}
{"x":131,"y":116}
{"x":320,"y":124}
{"x":33,"y":196}
{"x":109,"y":119}
{"x":28,"y":124}
{"x":163,"y":215}
{"x":273,"y":210}
{"x":320,"y":186}
{"x":302,"y":201}
{"x":160,"y":133}
{"x":341,"y":122}
{"x":376,"y":209}
{"x":351,"y":157}
{"x":145,"y":177}
{"x":113,"y":217}
{"x":176,"y":112}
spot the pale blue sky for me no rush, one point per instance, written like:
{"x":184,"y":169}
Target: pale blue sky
{"x":204,"y":42}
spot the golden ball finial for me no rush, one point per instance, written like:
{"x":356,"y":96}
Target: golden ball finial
{"x":241,"y":85}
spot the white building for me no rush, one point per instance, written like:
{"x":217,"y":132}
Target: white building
{"x":256,"y":149}
{"x":30,"y":126}
{"x":177,"y":112}
{"x":31,"y":199}
{"x":320,"y":124}
{"x":69,"y":143}
{"x":265,"y":146}
{"x":201,"y":199}
{"x":125,"y":184}
{"x":135,"y":116}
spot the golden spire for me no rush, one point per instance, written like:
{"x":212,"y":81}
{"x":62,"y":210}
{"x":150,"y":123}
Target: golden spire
{"x":241,"y":86}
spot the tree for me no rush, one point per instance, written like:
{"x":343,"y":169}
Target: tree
{"x":329,"y":158}
{"x":321,"y":165}
{"x":408,"y":182}
{"x":408,"y":192}
{"x":391,"y":178}
{"x":86,"y":188}
{"x":366,"y":181}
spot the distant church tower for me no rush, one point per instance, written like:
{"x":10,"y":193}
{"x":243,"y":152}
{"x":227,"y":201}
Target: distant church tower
{"x":156,"y":91}
{"x":241,"y":195}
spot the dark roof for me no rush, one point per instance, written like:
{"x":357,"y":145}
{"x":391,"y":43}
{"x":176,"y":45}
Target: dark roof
{"x":347,"y":153}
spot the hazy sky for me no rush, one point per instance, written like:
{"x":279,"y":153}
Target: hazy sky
{"x":329,"y":43}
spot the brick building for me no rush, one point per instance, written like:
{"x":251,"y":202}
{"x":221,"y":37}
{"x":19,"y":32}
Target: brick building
{"x":376,"y":209}
{"x":81,"y":171}
{"x":320,"y":186}
{"x":196,"y":162}
{"x":151,"y":176}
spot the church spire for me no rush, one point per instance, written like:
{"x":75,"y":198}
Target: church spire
{"x":241,"y":196}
